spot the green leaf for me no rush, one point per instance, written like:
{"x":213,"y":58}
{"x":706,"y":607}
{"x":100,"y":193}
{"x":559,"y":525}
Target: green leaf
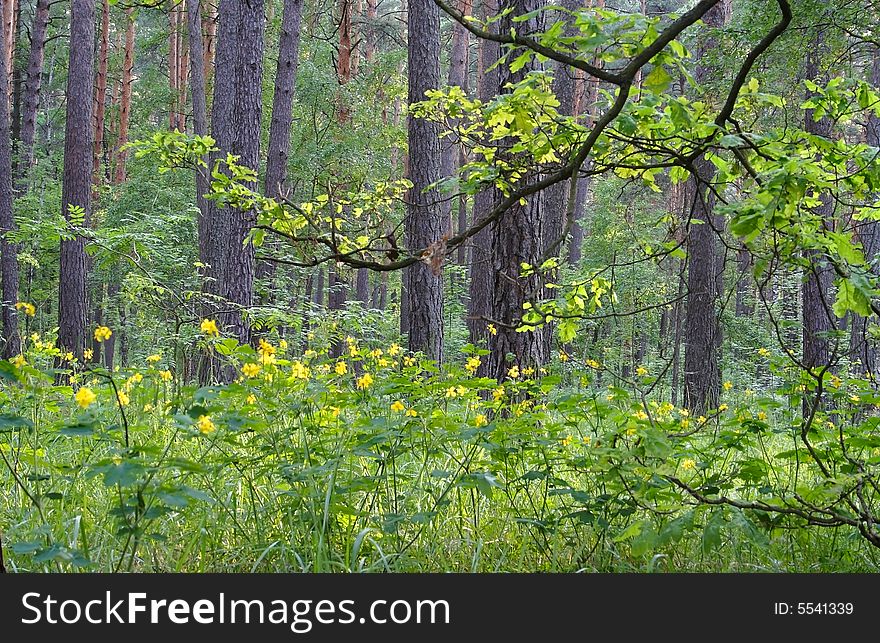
{"x":712,"y":530}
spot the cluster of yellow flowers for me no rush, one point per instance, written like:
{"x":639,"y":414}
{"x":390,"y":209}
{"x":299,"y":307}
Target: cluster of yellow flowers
{"x":102,"y":333}
{"x":400,"y":407}
{"x":28,"y":308}
{"x":267,"y":352}
{"x":205,"y":425}
{"x":473,"y":363}
{"x":85,"y":397}
{"x":364,"y":382}
{"x":209,"y":328}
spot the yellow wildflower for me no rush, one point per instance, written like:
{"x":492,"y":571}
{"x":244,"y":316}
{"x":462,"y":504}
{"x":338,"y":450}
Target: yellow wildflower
{"x":300,"y":370}
{"x":137,"y":378}
{"x":491,"y":328}
{"x":641,"y":371}
{"x":481,"y":420}
{"x":472,"y":365}
{"x":640,"y":415}
{"x":854,"y":398}
{"x":152,"y":359}
{"x":411,"y":413}
{"x":723,"y":407}
{"x":763,"y":352}
{"x":728,"y":385}
{"x":123,"y":398}
{"x":19,"y":360}
{"x":282,"y":344}
{"x":393,"y":350}
{"x":209,"y":328}
{"x":102,"y":333}
{"x":409,"y":361}
{"x":563,"y":356}
{"x":251,"y":370}
{"x":88,"y":353}
{"x":513,"y":372}
{"x":762,"y":416}
{"x":687,"y":464}
{"x":592,"y":363}
{"x":85,"y":397}
{"x":309,"y":354}
{"x":28,"y":308}
{"x":205,"y":425}
{"x":498,"y":393}
{"x":398,"y":406}
{"x":461,"y":390}
{"x":375,"y":353}
{"x":68,"y":356}
{"x":566,"y":441}
{"x":165,"y":376}
{"x":450,"y":392}
{"x":364,"y":382}
{"x":341,"y":368}
{"x":251,"y":399}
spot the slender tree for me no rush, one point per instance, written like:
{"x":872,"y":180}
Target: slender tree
{"x":101,"y":90}
{"x":8,"y":248}
{"x":76,"y":188}
{"x":33,"y":85}
{"x":199,"y":117}
{"x":125,"y":99}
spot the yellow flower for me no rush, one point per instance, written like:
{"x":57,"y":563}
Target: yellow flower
{"x":375,"y":353}
{"x":267,"y":358}
{"x":88,"y":353}
{"x":152,"y":359}
{"x":19,"y":360}
{"x":411,"y":413}
{"x":592,"y":363}
{"x":137,"y":378}
{"x":382,"y":362}
{"x":251,"y":370}
{"x":102,"y":333}
{"x":491,"y":328}
{"x":265,"y":348}
{"x":84,"y":397}
{"x":723,"y":407}
{"x":123,"y":398}
{"x":409,"y":361}
{"x":461,"y":390}
{"x":29,"y":309}
{"x":398,"y":406}
{"x":209,"y":328}
{"x":282,"y":344}
{"x":498,"y":393}
{"x":587,"y":439}
{"x":393,"y":350}
{"x":251,"y":399}
{"x":148,"y":408}
{"x":854,"y":398}
{"x":763,"y":352}
{"x":762,"y":416}
{"x":528,"y":372}
{"x":749,"y":392}
{"x":641,"y":371}
{"x":683,"y":412}
{"x":687,"y":464}
{"x":450,"y":392}
{"x":300,"y":371}
{"x":165,"y":375}
{"x":309,"y":354}
{"x":701,"y":419}
{"x":640,"y":415}
{"x":728,"y":386}
{"x":481,"y":420}
{"x":364,"y":382}
{"x":472,"y":365}
{"x":566,"y":441}
{"x":563,"y":356}
{"x":685,"y":423}
{"x":205,"y":425}
{"x":341,"y":368}
{"x":68,"y":356}
{"x":513,"y":372}
{"x":631,"y":431}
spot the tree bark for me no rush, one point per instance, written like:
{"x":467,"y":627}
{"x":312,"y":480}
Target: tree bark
{"x":125,"y":101}
{"x":33,"y":86}
{"x":200,"y":117}
{"x":101,"y":91}
{"x":173,"y":66}
{"x":516,"y":240}
{"x":76,"y":187}
{"x":8,"y":249}
{"x":702,"y":370}
{"x":481,"y":282}
{"x":424,"y":219}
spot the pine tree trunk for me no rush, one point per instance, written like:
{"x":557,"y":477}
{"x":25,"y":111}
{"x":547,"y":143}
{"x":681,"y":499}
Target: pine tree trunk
{"x":101,"y":91}
{"x":200,"y":118}
{"x":424,"y":218}
{"x":76,"y":188}
{"x":8,"y":249}
{"x":481,"y":282}
{"x":702,"y":370}
{"x":362,"y":286}
{"x":33,"y":86}
{"x":125,"y":101}
{"x":173,"y":66}
{"x":517,"y":239}
{"x":182,"y":68}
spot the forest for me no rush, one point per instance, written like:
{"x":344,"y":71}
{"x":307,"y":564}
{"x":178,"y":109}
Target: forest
{"x":439,"y":285}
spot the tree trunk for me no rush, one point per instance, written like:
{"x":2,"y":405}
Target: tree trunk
{"x":76,"y":187}
{"x":33,"y":86}
{"x":517,"y":239}
{"x":481,"y":282}
{"x":8,"y":249}
{"x":816,"y":309}
{"x":101,"y":91}
{"x":362,"y":286}
{"x":424,"y":219}
{"x":200,"y":117}
{"x":209,"y":23}
{"x":370,"y":33}
{"x":744,"y":306}
{"x":173,"y":65}
{"x":282,"y":102}
{"x":702,"y":370}
{"x":10,"y":12}
{"x":125,"y":101}
{"x":182,"y":68}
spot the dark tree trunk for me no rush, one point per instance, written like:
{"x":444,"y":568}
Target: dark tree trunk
{"x":516,"y":239}
{"x":8,"y":250}
{"x":818,"y":319}
{"x":362,"y":286}
{"x":101,"y":91}
{"x":337,"y":296}
{"x":702,"y":370}
{"x":282,"y":102}
{"x":125,"y":100}
{"x":744,"y":305}
{"x":863,"y":349}
{"x":319,"y":288}
{"x":33,"y":86}
{"x":199,"y":117}
{"x":424,"y":219}
{"x":76,"y":188}
{"x":480,"y":273}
